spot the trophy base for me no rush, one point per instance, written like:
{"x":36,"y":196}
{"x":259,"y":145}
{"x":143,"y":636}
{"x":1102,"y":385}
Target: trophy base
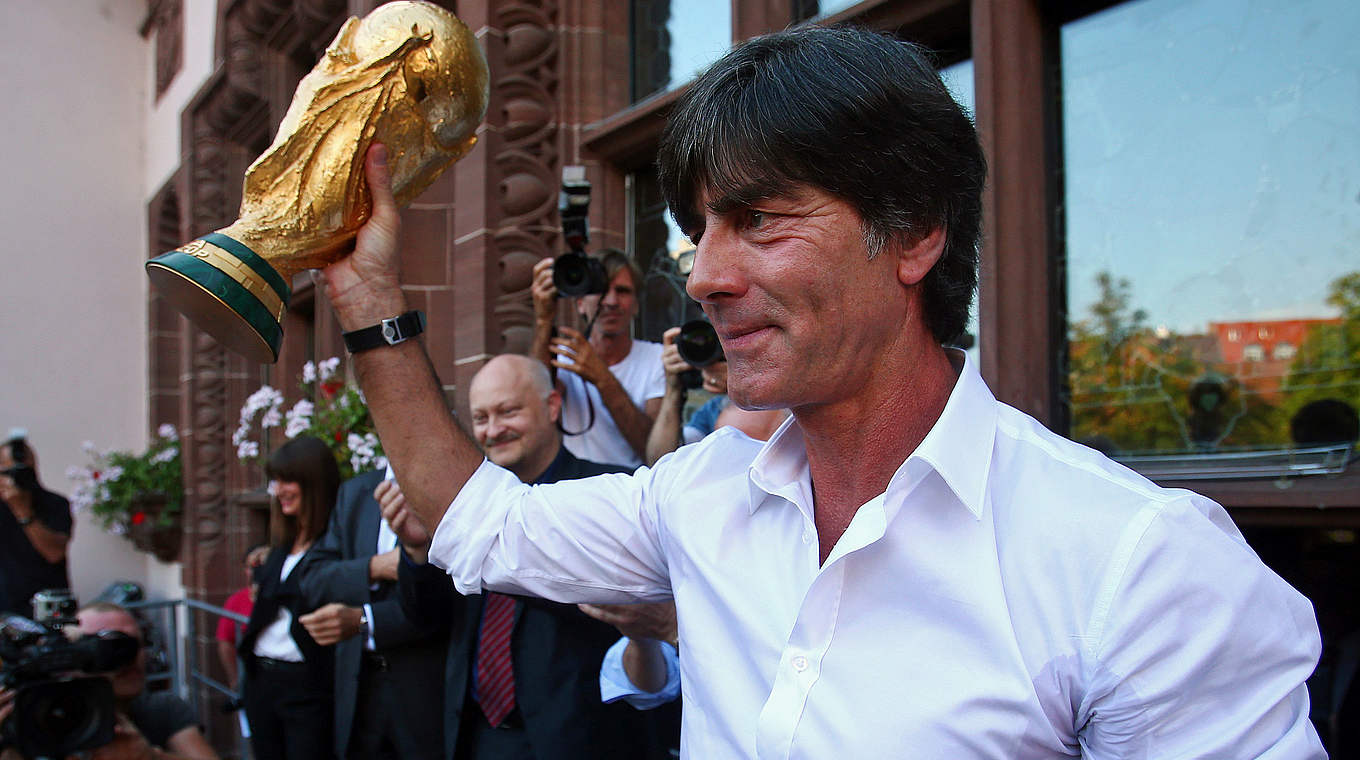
{"x":227,"y":291}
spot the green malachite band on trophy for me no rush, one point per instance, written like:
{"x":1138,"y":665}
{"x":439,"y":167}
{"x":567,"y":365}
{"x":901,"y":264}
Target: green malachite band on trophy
{"x":252,"y":260}
{"x":228,"y":291}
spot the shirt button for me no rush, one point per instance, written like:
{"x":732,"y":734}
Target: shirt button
{"x":800,"y":663}
{"x":807,"y":537}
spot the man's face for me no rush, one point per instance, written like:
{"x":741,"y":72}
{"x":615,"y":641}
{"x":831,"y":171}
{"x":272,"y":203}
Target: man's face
{"x":128,"y":682}
{"x":513,"y":424}
{"x":801,"y":310}
{"x":617,"y":306}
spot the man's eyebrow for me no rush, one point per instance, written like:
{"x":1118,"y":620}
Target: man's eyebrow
{"x":745,"y":195}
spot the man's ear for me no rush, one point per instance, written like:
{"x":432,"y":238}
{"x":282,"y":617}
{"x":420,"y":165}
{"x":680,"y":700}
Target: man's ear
{"x":916,"y":259}
{"x":554,"y":406}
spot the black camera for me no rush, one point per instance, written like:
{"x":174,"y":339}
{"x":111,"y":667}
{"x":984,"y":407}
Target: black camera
{"x":25,"y":478}
{"x":698,"y":343}
{"x":574,"y":273}
{"x":58,"y":712}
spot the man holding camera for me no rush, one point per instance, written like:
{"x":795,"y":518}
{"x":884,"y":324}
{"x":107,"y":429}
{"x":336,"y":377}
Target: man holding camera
{"x":150,"y":725}
{"x":35,"y":527}
{"x":612,"y":384}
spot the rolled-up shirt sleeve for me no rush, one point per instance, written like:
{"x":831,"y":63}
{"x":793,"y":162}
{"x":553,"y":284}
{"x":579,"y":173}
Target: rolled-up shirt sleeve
{"x":615,"y":683}
{"x":590,"y":540}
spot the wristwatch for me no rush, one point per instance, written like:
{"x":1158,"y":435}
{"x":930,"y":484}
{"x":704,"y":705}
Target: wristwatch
{"x":388,"y":332}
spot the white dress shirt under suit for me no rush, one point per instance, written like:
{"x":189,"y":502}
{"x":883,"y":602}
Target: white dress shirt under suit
{"x":1010,"y":595}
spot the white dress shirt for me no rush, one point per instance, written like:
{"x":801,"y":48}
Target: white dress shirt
{"x":1010,"y":595}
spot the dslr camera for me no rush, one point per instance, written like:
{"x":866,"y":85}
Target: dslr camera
{"x":574,"y":273}
{"x":698,"y":344}
{"x":58,"y":708}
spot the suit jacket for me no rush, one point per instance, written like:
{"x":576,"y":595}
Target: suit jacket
{"x":556,"y":650}
{"x":336,"y":570}
{"x":273,"y":595}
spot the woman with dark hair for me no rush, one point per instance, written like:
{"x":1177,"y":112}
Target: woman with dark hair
{"x":288,"y":684}
{"x":35,"y":528}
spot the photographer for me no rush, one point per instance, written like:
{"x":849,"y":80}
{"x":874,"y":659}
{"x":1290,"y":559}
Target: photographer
{"x":35,"y":527}
{"x":613,"y":384}
{"x":151,"y":725}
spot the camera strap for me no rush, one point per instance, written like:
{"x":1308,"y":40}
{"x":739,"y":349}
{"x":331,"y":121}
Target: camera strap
{"x":590,"y":407}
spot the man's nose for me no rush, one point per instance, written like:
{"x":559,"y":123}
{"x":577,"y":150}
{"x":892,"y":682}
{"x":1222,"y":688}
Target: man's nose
{"x":717,"y":266}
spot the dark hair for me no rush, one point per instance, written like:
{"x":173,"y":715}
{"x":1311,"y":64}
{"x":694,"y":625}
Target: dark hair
{"x":858,"y":114}
{"x":308,"y":462}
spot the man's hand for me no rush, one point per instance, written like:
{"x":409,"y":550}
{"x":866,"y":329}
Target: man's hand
{"x":383,"y":567}
{"x":331,"y":623}
{"x":365,"y":286}
{"x":571,"y":344}
{"x":414,"y":537}
{"x":544,"y":292}
{"x":638,"y":621}
{"x":671,"y":360}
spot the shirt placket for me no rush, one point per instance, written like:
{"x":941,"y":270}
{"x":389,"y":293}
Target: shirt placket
{"x":800,"y":663}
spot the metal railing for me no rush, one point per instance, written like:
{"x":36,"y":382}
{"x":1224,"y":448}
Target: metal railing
{"x":189,"y":679}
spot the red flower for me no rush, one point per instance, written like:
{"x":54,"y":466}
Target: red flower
{"x":331,"y":388}
{"x":339,"y":436}
{"x":138,"y":518}
{"x":95,"y":475}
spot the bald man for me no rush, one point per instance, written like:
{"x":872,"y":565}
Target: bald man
{"x":550,"y":709}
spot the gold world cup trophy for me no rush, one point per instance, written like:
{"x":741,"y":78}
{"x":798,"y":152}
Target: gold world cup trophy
{"x":409,"y":75}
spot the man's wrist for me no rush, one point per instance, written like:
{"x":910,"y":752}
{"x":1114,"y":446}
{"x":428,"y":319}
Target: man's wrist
{"x":374,"y":303}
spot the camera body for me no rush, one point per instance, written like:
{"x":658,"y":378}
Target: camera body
{"x":576,"y":274}
{"x":58,"y":710}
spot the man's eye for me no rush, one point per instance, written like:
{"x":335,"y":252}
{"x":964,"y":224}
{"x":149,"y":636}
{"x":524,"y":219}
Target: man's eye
{"x":756,"y":219}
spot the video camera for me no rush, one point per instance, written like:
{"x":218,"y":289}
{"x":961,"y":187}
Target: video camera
{"x":574,"y":273}
{"x":58,"y":710}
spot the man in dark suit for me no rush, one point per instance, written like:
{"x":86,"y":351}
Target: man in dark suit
{"x":386,"y":702}
{"x":522,"y":677}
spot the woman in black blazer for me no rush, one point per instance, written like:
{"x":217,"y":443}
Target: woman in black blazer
{"x":288,"y":683}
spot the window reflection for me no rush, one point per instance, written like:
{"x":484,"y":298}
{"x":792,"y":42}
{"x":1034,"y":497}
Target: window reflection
{"x":1213,"y":222}
{"x":674,"y":41}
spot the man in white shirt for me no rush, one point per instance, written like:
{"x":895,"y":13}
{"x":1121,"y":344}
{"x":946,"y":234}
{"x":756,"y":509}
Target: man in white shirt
{"x":908,"y":568}
{"x":611,"y":384}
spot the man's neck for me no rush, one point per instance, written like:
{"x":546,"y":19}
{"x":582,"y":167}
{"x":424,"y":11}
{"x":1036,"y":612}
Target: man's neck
{"x":854,"y":447}
{"x":612,"y":347}
{"x":534,"y":471}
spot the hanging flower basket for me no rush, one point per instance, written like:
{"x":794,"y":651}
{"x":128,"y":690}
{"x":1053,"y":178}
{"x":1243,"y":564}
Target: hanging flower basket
{"x":153,"y":529}
{"x":139,"y":496}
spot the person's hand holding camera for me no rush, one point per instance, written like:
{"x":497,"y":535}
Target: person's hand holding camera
{"x":671,"y":361}
{"x":544,"y":292}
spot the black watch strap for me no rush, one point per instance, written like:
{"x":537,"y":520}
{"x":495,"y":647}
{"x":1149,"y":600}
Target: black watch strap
{"x":388,"y":332}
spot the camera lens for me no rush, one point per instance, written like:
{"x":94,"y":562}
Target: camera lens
{"x":698,"y":343}
{"x":576,"y":275}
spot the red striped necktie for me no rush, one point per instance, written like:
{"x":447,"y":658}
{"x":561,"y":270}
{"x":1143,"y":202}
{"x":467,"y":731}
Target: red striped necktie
{"x":495,"y":675}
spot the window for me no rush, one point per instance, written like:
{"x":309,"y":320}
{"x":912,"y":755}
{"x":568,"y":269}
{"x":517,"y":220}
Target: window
{"x":1211,"y":180}
{"x":672,"y":41}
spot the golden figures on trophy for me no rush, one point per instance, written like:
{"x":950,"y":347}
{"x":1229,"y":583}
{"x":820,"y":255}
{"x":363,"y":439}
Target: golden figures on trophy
{"x":409,"y":75}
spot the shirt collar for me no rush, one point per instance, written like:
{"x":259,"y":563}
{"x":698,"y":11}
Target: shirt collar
{"x":958,"y":447}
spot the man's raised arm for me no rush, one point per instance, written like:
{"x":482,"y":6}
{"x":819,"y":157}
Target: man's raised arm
{"x":430,"y":454}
